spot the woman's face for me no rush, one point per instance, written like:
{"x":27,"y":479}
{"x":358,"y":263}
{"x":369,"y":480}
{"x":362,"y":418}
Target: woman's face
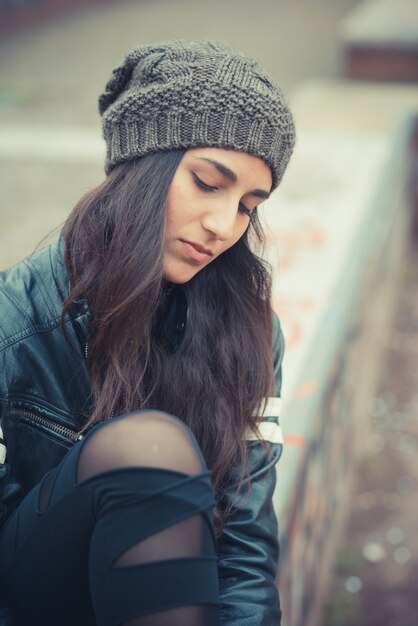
{"x":209,"y":205}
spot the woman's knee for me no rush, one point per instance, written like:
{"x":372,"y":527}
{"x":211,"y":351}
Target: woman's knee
{"x":148,"y":438}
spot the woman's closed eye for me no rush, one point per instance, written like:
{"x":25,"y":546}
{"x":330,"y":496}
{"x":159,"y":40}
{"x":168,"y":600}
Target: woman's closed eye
{"x":211,"y":188}
{"x":246,"y":211}
{"x":202,"y":185}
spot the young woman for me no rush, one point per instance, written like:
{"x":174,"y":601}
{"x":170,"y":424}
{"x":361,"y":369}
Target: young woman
{"x":136,"y":357}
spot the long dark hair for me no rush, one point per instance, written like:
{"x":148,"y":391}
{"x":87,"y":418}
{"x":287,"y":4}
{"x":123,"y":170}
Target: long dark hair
{"x":222,"y":369}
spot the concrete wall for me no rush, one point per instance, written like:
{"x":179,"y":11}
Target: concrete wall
{"x":341,"y":227}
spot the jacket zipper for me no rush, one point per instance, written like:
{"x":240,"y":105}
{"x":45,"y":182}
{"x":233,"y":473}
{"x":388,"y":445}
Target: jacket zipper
{"x":44,"y":421}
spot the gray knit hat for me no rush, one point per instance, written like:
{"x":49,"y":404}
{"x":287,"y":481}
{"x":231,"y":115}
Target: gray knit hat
{"x":185,"y":94}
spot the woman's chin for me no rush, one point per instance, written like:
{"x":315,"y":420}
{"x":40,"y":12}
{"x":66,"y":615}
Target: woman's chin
{"x":179,"y":275}
{"x":178,"y":272}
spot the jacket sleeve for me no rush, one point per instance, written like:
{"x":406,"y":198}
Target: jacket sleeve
{"x":248,"y":548}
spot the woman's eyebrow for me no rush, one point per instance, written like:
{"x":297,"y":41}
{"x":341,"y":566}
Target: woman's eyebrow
{"x":226,"y":171}
{"x":223,"y":169}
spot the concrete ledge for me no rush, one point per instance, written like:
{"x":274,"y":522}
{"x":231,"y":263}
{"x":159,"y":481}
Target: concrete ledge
{"x":340,"y":223}
{"x":51,"y":144}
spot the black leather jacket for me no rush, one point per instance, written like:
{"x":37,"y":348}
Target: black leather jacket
{"x":44,"y":390}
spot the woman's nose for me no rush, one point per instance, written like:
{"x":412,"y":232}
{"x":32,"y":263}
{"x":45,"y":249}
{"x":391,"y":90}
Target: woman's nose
{"x":221,"y":222}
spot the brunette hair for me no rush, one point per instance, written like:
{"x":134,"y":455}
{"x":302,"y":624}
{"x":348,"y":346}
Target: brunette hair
{"x":222,"y":369}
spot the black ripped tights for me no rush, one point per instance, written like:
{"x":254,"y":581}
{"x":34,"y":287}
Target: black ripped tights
{"x":120,"y":533}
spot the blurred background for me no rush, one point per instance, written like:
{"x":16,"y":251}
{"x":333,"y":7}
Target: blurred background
{"x":346,"y":277}
{"x":56,"y":57}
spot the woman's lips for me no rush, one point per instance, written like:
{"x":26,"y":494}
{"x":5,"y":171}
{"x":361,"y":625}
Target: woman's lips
{"x":196,"y":252}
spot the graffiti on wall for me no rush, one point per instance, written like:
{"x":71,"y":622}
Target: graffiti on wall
{"x":319,"y":501}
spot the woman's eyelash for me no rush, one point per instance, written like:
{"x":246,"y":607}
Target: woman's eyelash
{"x":203,"y":185}
{"x":248,"y":213}
{"x":210,"y":188}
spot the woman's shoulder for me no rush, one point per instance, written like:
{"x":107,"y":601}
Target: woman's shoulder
{"x":31,"y":295}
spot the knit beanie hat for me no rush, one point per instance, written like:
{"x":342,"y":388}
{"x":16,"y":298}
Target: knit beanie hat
{"x":185,"y":94}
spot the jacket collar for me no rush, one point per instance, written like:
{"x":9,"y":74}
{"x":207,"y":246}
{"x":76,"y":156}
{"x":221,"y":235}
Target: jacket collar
{"x":59,"y":269}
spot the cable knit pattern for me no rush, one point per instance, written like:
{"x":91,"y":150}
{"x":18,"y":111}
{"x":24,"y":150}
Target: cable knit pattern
{"x":185,"y":94}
